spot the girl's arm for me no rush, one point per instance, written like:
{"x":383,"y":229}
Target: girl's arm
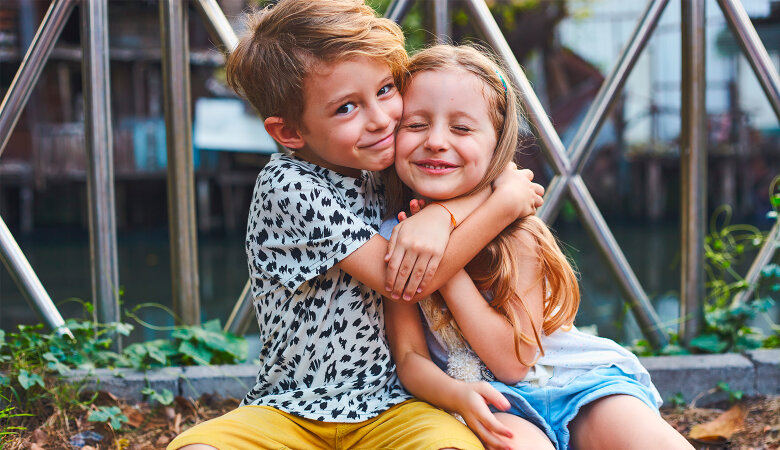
{"x":487,"y":331}
{"x":514,"y":195}
{"x":421,"y":377}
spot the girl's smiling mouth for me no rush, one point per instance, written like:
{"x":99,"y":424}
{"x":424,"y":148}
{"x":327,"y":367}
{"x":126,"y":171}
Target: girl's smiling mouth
{"x":435,"y":167}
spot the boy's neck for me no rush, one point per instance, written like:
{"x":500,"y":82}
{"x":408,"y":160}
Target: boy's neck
{"x":314,"y":159}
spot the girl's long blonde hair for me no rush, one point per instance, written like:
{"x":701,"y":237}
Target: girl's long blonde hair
{"x":495,"y":268}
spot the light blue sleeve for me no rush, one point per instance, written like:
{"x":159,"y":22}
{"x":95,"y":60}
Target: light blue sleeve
{"x":386,"y":229}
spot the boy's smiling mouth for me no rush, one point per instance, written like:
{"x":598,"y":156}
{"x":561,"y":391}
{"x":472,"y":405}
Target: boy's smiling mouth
{"x":380,"y":144}
{"x":437,"y":167}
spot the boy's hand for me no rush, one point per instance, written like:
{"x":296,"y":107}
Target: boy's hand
{"x":415,"y":250}
{"x":473,"y":401}
{"x":517,"y":187}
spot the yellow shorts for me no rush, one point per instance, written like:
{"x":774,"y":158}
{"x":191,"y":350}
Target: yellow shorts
{"x":412,"y":424}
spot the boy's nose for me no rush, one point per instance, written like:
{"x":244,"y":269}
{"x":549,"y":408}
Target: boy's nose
{"x":378,"y":119}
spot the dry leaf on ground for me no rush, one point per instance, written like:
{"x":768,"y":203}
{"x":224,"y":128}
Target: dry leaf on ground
{"x":722,"y":427}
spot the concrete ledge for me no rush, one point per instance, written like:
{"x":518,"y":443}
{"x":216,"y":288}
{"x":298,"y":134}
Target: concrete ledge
{"x":128,"y":383}
{"x":693,"y":375}
{"x":767,"y":363}
{"x":756,"y":373}
{"x":227,"y":381}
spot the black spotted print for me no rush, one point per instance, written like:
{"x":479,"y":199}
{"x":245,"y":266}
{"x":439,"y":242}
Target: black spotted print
{"x":324,"y":354}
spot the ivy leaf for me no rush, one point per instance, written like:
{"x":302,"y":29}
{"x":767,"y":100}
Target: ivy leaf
{"x":164,"y":398}
{"x":108,"y":414}
{"x":709,"y":343}
{"x":123,"y":328}
{"x":200,"y":355}
{"x":27,"y":379}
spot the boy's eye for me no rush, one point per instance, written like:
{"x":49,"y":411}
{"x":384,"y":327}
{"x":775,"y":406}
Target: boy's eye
{"x":385,"y":89}
{"x":414,"y":126}
{"x":461,"y":129}
{"x":345,"y":108}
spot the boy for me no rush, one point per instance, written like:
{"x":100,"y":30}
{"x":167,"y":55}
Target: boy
{"x":323,"y":74}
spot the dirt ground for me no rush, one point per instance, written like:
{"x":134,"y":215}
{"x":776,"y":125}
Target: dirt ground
{"x":752,"y":424}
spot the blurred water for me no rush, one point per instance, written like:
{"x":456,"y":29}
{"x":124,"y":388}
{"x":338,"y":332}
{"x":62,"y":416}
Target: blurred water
{"x":61,"y":260}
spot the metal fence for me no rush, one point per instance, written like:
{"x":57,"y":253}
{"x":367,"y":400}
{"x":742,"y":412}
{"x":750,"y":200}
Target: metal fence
{"x":567,"y":163}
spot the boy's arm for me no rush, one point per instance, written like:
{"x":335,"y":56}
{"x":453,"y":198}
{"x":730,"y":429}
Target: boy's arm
{"x":422,"y":378}
{"x":514,"y":195}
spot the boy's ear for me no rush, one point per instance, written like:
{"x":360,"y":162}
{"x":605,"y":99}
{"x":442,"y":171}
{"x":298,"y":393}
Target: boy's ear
{"x":283,"y":133}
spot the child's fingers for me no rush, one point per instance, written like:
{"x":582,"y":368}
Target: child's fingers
{"x":401,"y":216}
{"x":490,"y":439}
{"x":433,"y":266}
{"x":392,"y":264}
{"x":492,"y":396}
{"x":418,"y":272}
{"x":404,"y":270}
{"x":414,"y":207}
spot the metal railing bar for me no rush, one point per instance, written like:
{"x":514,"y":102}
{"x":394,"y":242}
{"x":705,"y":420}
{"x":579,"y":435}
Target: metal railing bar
{"x":582,"y":143}
{"x":397,"y":10}
{"x":693,"y":167}
{"x":28,"y":282}
{"x":218,"y":25}
{"x":557,"y":156}
{"x":768,"y":77}
{"x":553,"y":148}
{"x":441,"y":20}
{"x":243,"y":312}
{"x":555,"y":188}
{"x":181,"y":184}
{"x":100,"y":156}
{"x":754,"y":50}
{"x":30,"y":69}
{"x":763,"y":258}
{"x":597,"y":227}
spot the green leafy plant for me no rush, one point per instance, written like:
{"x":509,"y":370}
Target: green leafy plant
{"x":727,"y":320}
{"x":111,"y":415}
{"x":734,"y":395}
{"x":677,"y":401}
{"x":164,"y":398}
{"x":33,"y":362}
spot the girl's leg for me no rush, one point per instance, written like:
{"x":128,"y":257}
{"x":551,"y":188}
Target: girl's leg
{"x":525,"y":435}
{"x":622,"y":422}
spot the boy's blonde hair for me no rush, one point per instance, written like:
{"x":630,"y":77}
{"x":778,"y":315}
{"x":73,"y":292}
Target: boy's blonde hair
{"x":494,"y":269}
{"x":284,"y":43}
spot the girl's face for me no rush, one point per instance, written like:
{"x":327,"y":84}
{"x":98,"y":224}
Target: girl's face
{"x":446,"y":139}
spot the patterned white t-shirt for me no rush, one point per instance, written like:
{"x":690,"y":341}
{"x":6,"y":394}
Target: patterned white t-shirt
{"x":324,"y":354}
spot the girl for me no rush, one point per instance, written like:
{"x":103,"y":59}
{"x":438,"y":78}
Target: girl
{"x":507,"y":319}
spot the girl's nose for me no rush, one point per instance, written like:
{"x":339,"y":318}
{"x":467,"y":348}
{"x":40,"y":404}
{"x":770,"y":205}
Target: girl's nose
{"x":436,"y":140}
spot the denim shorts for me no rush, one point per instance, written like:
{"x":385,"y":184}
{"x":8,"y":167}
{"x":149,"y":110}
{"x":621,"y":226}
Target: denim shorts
{"x":553,"y":408}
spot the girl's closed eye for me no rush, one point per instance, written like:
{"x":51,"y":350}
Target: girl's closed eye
{"x":414,"y":126}
{"x":461,"y":128}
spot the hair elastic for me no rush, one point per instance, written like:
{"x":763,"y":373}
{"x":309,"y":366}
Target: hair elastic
{"x":502,"y":82}
{"x":452,"y":216}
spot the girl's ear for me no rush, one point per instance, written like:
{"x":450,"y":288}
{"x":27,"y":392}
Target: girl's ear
{"x":286,"y":135}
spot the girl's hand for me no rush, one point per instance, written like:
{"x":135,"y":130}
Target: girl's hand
{"x":473,"y":401}
{"x":415,"y":250}
{"x":517,"y":186}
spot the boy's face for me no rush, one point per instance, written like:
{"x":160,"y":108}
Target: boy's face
{"x":351,"y":109}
